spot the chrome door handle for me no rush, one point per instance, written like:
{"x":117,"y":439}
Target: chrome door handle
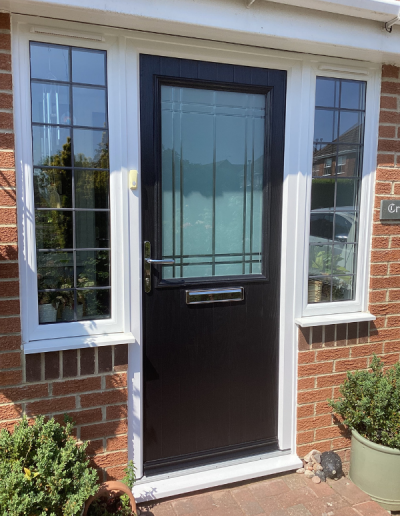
{"x":160,"y":262}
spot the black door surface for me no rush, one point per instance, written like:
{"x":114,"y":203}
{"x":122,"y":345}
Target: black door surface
{"x":212,"y":145}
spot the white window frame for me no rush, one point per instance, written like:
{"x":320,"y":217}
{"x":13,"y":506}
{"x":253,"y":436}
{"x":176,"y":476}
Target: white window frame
{"x":355,"y":310}
{"x":116,"y":330}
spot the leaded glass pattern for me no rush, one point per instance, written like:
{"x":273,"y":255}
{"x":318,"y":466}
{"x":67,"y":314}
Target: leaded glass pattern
{"x":335,"y":195}
{"x":71,"y":178}
{"x":212,"y":181}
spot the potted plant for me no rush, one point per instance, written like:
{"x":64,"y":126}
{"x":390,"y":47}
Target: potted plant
{"x":44,"y":470}
{"x":114,"y":497}
{"x":370,"y":407}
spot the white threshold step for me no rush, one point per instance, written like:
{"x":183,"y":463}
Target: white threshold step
{"x":188,"y":480}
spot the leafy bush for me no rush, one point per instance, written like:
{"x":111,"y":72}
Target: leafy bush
{"x":43,"y":470}
{"x":119,"y":505}
{"x":370,"y":403}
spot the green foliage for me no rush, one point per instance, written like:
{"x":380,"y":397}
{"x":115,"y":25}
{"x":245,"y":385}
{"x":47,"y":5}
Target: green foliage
{"x":43,"y":470}
{"x":119,"y":505}
{"x":370,"y":403}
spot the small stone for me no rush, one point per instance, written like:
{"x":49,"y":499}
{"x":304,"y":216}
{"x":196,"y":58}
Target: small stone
{"x":309,"y":467}
{"x":316,"y":480}
{"x":307,"y":458}
{"x":321,"y":475}
{"x":317,"y":467}
{"x":309,"y":474}
{"x":300,"y":470}
{"x":317,"y":458}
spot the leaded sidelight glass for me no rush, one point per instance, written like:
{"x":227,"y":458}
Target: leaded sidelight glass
{"x":335,"y":193}
{"x":71,"y":178}
{"x":212,"y":181}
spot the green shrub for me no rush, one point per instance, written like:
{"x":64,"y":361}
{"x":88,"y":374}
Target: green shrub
{"x":43,"y":470}
{"x":370,"y":403}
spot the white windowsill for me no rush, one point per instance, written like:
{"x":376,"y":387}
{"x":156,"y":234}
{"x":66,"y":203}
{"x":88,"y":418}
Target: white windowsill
{"x":325,"y":320}
{"x":213,"y":476}
{"x":87,"y":341}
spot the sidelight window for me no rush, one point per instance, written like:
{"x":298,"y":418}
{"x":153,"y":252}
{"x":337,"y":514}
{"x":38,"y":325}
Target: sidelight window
{"x":71,"y":181}
{"x":335,"y":194}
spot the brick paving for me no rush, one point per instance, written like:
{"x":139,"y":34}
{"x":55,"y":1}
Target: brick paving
{"x":281,"y":495}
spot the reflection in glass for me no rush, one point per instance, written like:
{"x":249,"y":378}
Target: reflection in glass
{"x":55,"y":270}
{"x":326,"y":125}
{"x":92,"y":188}
{"x":96,"y":304}
{"x":52,"y":188}
{"x":88,"y":66}
{"x":346,"y":193}
{"x":320,"y":260}
{"x":51,"y":146}
{"x":50,"y":103}
{"x":343,"y":259}
{"x":351,"y":126}
{"x":212,"y":181}
{"x":322,"y":193}
{"x":327,"y":92}
{"x":89,"y":106}
{"x":92,"y":229}
{"x":93,"y":268}
{"x":321,"y":227}
{"x":49,"y":62}
{"x":345,"y":227}
{"x":91,"y":148}
{"x":352,"y":95}
{"x":53,"y":229}
{"x":319,"y":289}
{"x":56,"y":306}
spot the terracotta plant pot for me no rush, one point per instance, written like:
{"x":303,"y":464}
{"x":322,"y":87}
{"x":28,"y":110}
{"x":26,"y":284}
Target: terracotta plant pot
{"x":114,"y":487}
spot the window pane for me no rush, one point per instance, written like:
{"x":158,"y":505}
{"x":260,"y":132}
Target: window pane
{"x":55,"y":270}
{"x":342,"y":288}
{"x":49,"y":62}
{"x":90,"y":148}
{"x":56,"y":306}
{"x":320,"y":260}
{"x":52,"y":187}
{"x":53,"y":229}
{"x":319,"y":289}
{"x":322,"y":194}
{"x":94,"y":304}
{"x":92,"y":229}
{"x":337,"y":162}
{"x":93,"y":268}
{"x":352,"y":95}
{"x":51,"y":146}
{"x":92,"y":188}
{"x":89,"y":106}
{"x":50,"y":103}
{"x":89,"y":66}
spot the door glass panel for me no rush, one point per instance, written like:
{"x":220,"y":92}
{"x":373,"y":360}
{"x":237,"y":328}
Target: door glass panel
{"x":212,"y":181}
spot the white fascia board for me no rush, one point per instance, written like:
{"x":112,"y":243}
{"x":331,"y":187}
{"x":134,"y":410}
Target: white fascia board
{"x":381,"y":10}
{"x":265,"y":24}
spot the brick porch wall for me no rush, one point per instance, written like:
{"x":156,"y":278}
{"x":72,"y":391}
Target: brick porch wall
{"x":88,"y":384}
{"x":326,"y":353}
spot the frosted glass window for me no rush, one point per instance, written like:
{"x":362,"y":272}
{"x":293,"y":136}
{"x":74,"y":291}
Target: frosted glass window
{"x":212,"y":181}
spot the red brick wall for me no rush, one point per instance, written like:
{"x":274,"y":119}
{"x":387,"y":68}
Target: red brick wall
{"x":325,"y":353}
{"x":88,"y":384}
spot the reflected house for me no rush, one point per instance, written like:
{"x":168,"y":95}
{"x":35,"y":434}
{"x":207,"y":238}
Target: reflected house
{"x":341,"y":156}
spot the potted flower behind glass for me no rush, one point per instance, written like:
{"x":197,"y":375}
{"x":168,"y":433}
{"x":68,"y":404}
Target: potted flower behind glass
{"x":370,"y":407}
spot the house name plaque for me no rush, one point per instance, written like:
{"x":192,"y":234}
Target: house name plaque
{"x":390,"y":211}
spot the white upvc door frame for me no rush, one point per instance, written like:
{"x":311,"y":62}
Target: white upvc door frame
{"x":301,"y":70}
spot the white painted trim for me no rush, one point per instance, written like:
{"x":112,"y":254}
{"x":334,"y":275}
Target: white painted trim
{"x":34,"y":334}
{"x":212,"y":477}
{"x":67,"y":33}
{"x":94,"y":341}
{"x":325,"y":320}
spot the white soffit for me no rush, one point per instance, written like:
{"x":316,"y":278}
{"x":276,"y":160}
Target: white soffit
{"x":266,"y":24}
{"x":380,"y":10}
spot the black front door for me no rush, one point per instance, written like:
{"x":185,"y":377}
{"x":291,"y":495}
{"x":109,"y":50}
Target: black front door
{"x":212,"y":143}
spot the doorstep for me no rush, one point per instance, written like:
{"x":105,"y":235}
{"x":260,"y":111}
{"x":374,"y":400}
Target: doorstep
{"x":288,"y":494}
{"x":206,"y":477}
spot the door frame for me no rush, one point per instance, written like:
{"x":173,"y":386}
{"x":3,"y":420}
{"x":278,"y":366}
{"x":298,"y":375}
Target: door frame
{"x":126,"y":45}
